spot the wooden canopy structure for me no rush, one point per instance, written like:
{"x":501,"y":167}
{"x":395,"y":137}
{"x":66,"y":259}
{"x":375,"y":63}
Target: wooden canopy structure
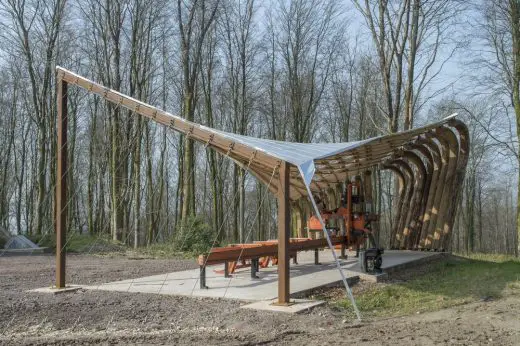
{"x":429,"y":162}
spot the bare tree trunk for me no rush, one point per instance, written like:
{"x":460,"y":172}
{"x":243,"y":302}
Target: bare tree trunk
{"x":193,"y":29}
{"x":515,"y":33}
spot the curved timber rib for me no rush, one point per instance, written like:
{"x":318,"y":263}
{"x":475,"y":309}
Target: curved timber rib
{"x":431,"y":170}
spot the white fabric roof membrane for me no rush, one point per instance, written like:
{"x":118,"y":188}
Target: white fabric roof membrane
{"x":316,"y":165}
{"x":304,"y":155}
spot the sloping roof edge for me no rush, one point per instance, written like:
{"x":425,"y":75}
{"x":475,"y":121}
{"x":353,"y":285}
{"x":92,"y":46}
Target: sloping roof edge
{"x":316,"y":165}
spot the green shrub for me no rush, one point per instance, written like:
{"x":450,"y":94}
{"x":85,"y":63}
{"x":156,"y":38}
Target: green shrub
{"x":81,"y":243}
{"x":193,"y":235}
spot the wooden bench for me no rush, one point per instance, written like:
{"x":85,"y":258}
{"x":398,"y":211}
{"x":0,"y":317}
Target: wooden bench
{"x":231,"y":255}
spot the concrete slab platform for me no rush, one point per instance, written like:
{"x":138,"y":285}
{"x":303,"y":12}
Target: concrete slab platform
{"x":54,"y":290}
{"x":240,"y":286}
{"x":305,"y":276}
{"x":298,"y":305}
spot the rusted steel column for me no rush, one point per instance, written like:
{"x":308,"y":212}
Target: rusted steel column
{"x":463,"y":132}
{"x":412,"y":219}
{"x":402,"y":193}
{"x":61,"y":184}
{"x":433,"y":147}
{"x":427,"y":158}
{"x":409,"y":183}
{"x":441,"y":226}
{"x":284,"y":233}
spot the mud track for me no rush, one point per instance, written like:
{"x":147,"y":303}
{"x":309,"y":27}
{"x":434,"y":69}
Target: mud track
{"x":87,"y":317}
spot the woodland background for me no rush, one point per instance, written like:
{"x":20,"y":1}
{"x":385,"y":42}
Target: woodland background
{"x":300,"y":70}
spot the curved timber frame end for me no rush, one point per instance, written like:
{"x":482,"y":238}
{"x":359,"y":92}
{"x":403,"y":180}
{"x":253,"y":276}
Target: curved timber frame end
{"x":430,"y":171}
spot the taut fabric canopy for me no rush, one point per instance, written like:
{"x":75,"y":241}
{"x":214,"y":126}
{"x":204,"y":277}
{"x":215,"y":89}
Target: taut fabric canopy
{"x":320,"y":165}
{"x":315,"y":165}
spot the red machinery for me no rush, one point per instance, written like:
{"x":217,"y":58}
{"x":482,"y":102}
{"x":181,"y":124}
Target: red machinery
{"x":353,"y":220}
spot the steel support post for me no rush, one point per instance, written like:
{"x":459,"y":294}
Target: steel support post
{"x":61,"y":185}
{"x":202,"y":277}
{"x":254,"y":268}
{"x":284,"y":233}
{"x":226,"y":270}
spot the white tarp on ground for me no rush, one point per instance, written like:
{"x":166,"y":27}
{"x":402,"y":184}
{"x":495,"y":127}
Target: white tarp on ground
{"x":20,"y":242}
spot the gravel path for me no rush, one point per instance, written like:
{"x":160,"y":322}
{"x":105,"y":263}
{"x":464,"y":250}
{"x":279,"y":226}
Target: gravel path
{"x":87,"y":317}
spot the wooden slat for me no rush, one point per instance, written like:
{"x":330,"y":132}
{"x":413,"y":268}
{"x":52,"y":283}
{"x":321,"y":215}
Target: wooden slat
{"x":221,"y":255}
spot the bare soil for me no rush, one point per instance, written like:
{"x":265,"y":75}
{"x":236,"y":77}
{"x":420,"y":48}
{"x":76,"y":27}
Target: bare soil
{"x":89,"y":317}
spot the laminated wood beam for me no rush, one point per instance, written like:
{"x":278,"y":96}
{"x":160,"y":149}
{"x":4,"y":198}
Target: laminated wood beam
{"x":438,"y":189}
{"x":428,"y":160}
{"x":399,"y":174}
{"x":463,"y":135}
{"x":367,"y":181}
{"x":194,"y":131}
{"x":415,"y":203}
{"x":403,"y":191}
{"x":403,"y":188}
{"x":400,"y":199}
{"x":356,"y":166}
{"x":445,"y":204}
{"x":404,"y":229}
{"x":434,"y":149}
{"x":409,"y":187}
{"x":394,"y":140}
{"x":351,"y":158}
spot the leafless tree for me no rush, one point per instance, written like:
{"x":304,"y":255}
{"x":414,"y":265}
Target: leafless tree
{"x":408,"y":36}
{"x":194,"y":20}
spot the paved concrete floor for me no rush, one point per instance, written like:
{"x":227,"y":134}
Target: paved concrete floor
{"x":304,"y":276}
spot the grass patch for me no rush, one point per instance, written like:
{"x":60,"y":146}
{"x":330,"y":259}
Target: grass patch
{"x":81,"y":243}
{"x":86,"y":244}
{"x":162,"y":250}
{"x":89,"y":244}
{"x":192,"y":237}
{"x":458,"y":280}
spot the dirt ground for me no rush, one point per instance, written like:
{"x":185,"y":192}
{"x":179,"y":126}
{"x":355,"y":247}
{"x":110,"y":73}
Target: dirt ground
{"x":87,"y":317}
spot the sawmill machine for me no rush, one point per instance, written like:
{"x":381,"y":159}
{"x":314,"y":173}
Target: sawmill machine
{"x":349,"y":227}
{"x":353,"y":219}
